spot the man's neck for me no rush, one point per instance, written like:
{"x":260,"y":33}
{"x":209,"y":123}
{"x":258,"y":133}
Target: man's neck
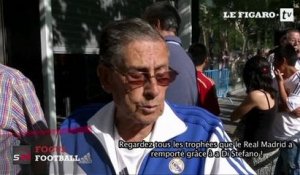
{"x":200,"y":67}
{"x":165,"y":33}
{"x":289,"y":72}
{"x":134,"y":132}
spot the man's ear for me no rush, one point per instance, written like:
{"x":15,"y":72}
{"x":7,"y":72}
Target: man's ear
{"x":157,"y":25}
{"x":206,"y":61}
{"x":104,"y":75}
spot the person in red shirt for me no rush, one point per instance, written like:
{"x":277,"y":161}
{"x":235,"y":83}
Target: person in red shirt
{"x":207,"y":90}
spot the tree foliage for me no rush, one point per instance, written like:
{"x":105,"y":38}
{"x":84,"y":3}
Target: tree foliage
{"x":244,"y":33}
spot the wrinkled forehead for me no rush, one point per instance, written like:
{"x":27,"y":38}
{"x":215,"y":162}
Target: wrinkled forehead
{"x":146,"y":52}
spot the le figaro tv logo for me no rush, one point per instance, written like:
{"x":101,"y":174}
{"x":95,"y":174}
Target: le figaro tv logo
{"x":285,"y":14}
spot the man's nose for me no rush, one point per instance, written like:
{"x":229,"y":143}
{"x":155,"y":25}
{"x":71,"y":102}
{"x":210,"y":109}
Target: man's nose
{"x":151,"y":89}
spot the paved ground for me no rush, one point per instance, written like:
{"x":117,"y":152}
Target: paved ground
{"x":227,"y":105}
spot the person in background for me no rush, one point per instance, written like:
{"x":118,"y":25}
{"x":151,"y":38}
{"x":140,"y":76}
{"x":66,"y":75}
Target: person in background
{"x":263,"y":52}
{"x":258,"y":112}
{"x":166,"y":20}
{"x":206,"y":86}
{"x":22,"y":122}
{"x":225,"y":59}
{"x":287,"y":124}
{"x":133,"y":133}
{"x":293,"y":38}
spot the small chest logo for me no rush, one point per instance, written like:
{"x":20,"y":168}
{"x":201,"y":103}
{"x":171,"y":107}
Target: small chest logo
{"x":176,"y":166}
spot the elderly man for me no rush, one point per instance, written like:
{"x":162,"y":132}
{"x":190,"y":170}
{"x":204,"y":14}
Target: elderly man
{"x":139,"y":133}
{"x":293,"y":38}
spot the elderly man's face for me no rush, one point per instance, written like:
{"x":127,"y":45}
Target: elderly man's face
{"x":294,"y":39}
{"x":140,"y":104}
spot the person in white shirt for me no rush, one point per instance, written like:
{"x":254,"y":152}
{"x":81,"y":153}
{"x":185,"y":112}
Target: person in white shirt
{"x":287,"y":124}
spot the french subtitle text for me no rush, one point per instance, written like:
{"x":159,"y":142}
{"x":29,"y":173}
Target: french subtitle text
{"x":200,"y":149}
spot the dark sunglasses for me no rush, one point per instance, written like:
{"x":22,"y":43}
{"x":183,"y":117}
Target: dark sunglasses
{"x":138,"y":79}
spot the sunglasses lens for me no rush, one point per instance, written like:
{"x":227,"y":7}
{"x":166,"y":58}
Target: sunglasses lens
{"x":138,"y":79}
{"x":164,"y":79}
{"x":136,"y":83}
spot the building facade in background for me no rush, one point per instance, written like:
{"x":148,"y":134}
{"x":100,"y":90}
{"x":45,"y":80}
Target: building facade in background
{"x":55,"y":44}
